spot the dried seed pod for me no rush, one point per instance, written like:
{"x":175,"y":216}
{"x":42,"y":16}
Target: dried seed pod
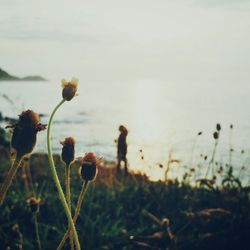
{"x":25,"y":131}
{"x":34,"y":204}
{"x":69,"y":88}
{"x":68,"y":150}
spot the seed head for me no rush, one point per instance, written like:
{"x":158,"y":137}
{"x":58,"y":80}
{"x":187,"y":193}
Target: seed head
{"x":88,"y":169}
{"x":69,"y":88}
{"x":216,"y":135}
{"x":25,"y":131}
{"x":68,"y":150}
{"x":218,"y":127}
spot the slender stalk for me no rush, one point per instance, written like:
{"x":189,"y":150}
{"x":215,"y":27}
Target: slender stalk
{"x":212,"y":159}
{"x":9,"y":178}
{"x":37,"y":232}
{"x":230,"y":147}
{"x":56,"y":179}
{"x":30,"y":179}
{"x":67,"y":184}
{"x":77,"y":212}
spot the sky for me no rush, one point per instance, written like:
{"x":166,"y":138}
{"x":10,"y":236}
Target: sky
{"x":113,"y":40}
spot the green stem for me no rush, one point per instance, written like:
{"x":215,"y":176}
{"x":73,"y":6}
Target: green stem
{"x":9,"y":178}
{"x":56,"y":179}
{"x":67,"y":184}
{"x":77,"y":212}
{"x":37,"y":232}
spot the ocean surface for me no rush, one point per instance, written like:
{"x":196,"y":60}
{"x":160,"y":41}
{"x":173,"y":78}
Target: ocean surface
{"x":161,"y":117}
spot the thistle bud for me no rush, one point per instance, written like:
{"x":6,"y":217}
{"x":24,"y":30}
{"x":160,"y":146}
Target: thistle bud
{"x":68,"y":150}
{"x":25,"y":131}
{"x":34,"y":204}
{"x":69,"y":89}
{"x":88,"y":169}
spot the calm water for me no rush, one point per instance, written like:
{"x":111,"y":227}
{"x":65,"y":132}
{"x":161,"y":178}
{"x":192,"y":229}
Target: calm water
{"x":160,"y":116}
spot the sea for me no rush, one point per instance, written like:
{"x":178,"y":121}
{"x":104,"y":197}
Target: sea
{"x":163,"y":119}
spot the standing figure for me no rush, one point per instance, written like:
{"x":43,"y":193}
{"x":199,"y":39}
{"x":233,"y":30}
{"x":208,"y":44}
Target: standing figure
{"x":122,"y":149}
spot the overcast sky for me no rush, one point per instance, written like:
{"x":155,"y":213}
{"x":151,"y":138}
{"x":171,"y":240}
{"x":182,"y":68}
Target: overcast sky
{"x":106,"y":40}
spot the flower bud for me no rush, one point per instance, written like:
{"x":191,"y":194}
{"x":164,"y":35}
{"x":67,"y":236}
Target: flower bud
{"x":88,"y":169}
{"x":25,"y":131}
{"x":68,"y":150}
{"x":69,"y":89}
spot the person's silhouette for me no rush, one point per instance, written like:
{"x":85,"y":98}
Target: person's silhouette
{"x":122,"y":149}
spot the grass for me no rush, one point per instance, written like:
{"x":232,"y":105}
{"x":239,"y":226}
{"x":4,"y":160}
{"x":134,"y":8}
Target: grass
{"x":120,"y":213}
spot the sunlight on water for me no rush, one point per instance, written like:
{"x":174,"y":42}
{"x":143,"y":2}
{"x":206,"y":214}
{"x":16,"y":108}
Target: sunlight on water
{"x":146,"y":120}
{"x":160,"y":117}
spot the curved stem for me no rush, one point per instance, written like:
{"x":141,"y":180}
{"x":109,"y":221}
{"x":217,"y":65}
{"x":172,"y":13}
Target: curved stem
{"x":77,"y":212}
{"x":67,"y":185}
{"x":9,"y":178}
{"x":56,"y":179}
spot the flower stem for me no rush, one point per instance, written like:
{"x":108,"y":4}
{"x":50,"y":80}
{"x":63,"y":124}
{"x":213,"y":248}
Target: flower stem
{"x":37,"y":231}
{"x":67,"y":184}
{"x":56,"y":179}
{"x":212,"y":159}
{"x":77,"y":212}
{"x":9,"y":178}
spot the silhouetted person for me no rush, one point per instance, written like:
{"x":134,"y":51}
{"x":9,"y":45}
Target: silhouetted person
{"x":122,"y":149}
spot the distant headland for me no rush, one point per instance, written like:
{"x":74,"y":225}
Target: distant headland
{"x":4,"y":76}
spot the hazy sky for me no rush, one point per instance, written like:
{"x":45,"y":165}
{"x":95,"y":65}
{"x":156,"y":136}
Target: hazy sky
{"x":106,"y":40}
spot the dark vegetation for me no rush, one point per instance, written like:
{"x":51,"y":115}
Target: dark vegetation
{"x":125,"y":212}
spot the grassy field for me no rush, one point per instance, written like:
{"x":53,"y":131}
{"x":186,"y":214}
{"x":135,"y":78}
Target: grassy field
{"x":124,"y":212}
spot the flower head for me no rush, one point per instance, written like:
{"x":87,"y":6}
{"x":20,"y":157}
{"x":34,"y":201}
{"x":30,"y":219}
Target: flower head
{"x":68,"y":150}
{"x":69,"y":88}
{"x":25,"y":131}
{"x":88,"y":170}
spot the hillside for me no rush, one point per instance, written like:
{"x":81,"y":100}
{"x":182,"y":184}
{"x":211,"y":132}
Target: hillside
{"x":5,"y":76}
